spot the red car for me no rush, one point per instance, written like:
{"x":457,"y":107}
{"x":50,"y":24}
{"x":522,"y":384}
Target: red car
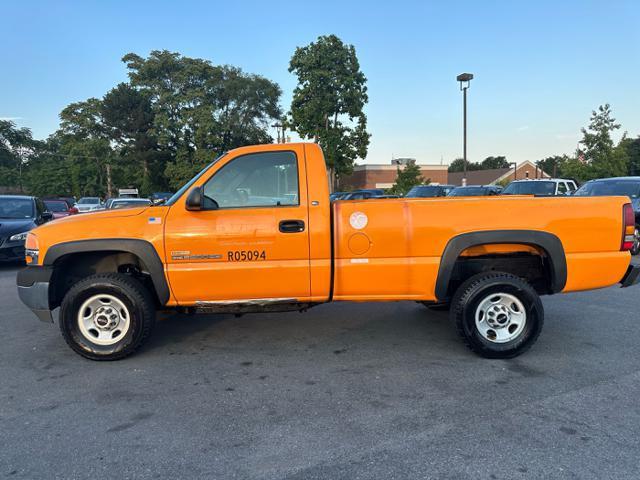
{"x":60,"y":208}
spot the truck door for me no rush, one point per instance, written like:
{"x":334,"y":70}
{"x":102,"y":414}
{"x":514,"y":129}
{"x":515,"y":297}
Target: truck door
{"x":250,"y":241}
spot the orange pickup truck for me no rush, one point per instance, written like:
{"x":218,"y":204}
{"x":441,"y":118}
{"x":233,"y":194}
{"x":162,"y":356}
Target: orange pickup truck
{"x":255,"y":231}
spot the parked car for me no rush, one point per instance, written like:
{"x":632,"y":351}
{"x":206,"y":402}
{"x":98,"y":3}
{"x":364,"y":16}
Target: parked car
{"x":158,"y":198}
{"x":60,"y":208}
{"x":118,"y":203}
{"x":18,"y":215}
{"x":363,"y":194}
{"x":71,"y":201}
{"x":623,"y":186}
{"x":475,"y":191}
{"x":337,"y":196}
{"x":541,"y":187}
{"x":89,"y":204}
{"x":427,"y":191}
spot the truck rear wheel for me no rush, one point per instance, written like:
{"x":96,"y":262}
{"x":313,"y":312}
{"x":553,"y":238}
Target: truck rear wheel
{"x":498,"y":315}
{"x":106,"y":316}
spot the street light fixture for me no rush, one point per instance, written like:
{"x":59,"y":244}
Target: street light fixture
{"x":465,"y":80}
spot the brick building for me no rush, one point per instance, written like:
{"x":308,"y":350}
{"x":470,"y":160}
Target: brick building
{"x":498,"y":175}
{"x":384,"y":176}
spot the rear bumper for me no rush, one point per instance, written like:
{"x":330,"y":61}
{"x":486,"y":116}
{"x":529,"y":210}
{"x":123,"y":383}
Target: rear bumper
{"x":33,"y":290}
{"x":631,"y":277}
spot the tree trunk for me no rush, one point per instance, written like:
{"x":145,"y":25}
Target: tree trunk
{"x":109,"y":184}
{"x":331,"y":174}
{"x":145,"y":172}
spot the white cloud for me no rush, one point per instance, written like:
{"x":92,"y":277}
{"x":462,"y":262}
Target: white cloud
{"x":523,"y":128}
{"x":10,"y":119}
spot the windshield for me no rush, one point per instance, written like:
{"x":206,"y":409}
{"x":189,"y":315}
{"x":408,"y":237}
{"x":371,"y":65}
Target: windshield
{"x":604,"y":188}
{"x":187,"y":185}
{"x":532,"y":187}
{"x":425,"y":191}
{"x":16,"y":208}
{"x":56,"y":206}
{"x":89,"y":200}
{"x":468,"y":192}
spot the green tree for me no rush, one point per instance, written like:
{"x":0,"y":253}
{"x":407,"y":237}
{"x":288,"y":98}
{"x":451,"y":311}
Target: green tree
{"x":631,"y":147}
{"x":553,"y":165}
{"x":328,"y":102}
{"x":603,"y":158}
{"x":128,"y":117}
{"x":16,"y":147}
{"x":407,"y":178}
{"x":83,"y":139}
{"x":200,"y":109}
{"x":495,"y":162}
{"x":458,"y":166}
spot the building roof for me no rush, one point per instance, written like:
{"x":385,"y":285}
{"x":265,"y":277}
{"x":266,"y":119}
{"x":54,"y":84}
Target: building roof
{"x":491,"y":176}
{"x":374,"y":166}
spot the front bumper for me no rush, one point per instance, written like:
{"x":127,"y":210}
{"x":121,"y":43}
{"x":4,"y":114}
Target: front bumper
{"x":33,"y":290}
{"x":631,"y":277}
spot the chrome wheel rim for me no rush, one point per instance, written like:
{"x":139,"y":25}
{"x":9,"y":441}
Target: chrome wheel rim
{"x":104,"y":319}
{"x":500,"y":317}
{"x":636,"y":240}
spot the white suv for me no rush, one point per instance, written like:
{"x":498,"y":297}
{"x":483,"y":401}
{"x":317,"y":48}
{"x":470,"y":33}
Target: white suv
{"x":542,"y":186}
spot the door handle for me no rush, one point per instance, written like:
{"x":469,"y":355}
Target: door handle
{"x":291,"y":226}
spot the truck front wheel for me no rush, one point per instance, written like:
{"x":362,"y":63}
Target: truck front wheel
{"x":498,"y":315}
{"x":106,"y":316}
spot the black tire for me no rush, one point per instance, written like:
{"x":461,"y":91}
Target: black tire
{"x":475,"y":290}
{"x":135,"y":297}
{"x":635,"y":249}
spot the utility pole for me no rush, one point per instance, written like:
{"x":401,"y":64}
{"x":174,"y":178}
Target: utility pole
{"x":465,"y":80}
{"x":279,"y":126}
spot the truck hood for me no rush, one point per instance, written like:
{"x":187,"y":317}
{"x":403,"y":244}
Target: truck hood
{"x":93,"y":217}
{"x":121,"y":212}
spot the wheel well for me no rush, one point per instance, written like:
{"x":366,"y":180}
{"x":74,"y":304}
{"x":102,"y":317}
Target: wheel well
{"x":71,"y":268}
{"x":531,"y":264}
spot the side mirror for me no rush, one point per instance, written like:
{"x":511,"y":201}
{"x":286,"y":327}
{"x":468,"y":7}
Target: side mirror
{"x":47,"y":216}
{"x":194,"y":200}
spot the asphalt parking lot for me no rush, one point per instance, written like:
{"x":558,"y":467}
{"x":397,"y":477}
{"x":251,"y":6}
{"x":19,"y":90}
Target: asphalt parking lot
{"x":351,"y":391}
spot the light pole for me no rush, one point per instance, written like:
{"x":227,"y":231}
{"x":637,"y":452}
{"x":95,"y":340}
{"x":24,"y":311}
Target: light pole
{"x":465,"y":80}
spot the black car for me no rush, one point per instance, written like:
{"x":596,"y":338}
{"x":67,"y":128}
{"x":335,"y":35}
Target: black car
{"x":427,"y":191}
{"x":18,"y":215}
{"x":617,"y":186}
{"x":475,"y":191}
{"x":364,"y":194}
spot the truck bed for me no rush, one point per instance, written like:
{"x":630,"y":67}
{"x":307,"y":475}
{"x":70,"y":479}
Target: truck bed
{"x":397,"y":254}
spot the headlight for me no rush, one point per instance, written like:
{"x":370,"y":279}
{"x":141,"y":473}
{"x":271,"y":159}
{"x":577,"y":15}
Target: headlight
{"x":19,"y":237}
{"x":31,"y":249}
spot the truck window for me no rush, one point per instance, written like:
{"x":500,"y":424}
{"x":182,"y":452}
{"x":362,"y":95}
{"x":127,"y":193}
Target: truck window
{"x":267,"y":179}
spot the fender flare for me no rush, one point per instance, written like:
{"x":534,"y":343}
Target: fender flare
{"x":548,"y":242}
{"x":140,"y":248}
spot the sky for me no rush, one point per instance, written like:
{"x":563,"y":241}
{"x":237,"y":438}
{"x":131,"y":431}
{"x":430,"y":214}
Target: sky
{"x":540,"y":67}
